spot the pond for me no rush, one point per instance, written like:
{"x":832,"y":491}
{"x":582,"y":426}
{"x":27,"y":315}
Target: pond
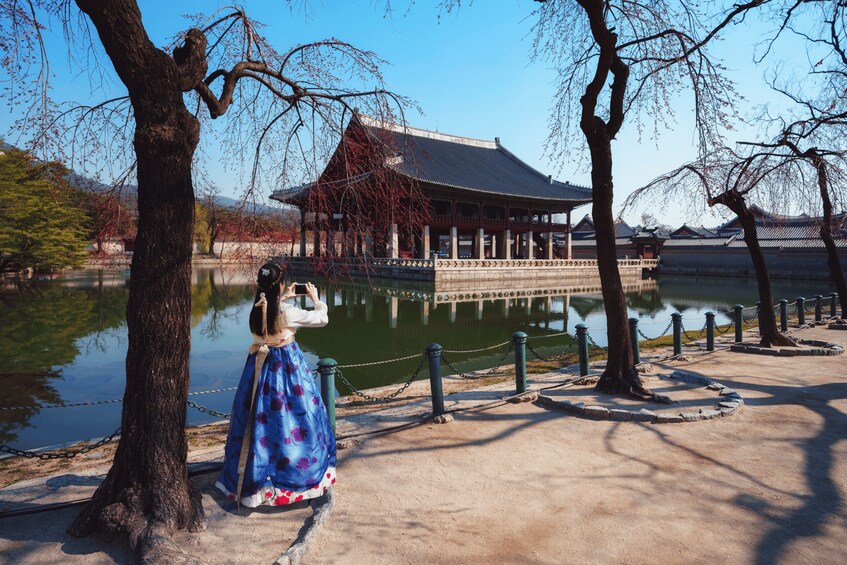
{"x":63,"y":340}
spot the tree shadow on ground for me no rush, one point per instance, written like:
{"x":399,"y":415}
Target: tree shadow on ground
{"x":824,"y":501}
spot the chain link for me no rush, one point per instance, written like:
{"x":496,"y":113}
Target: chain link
{"x":458,"y":373}
{"x":459,"y":351}
{"x":394,"y":394}
{"x":729,"y":327}
{"x":685,"y":332}
{"x":592,"y":342}
{"x":372,"y":363}
{"x":61,"y":454}
{"x":207,"y":410}
{"x":550,"y":360}
{"x":663,"y":334}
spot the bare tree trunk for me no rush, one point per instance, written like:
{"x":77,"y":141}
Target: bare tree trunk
{"x":767,"y":320}
{"x":620,"y":375}
{"x":832,"y":259}
{"x":147,"y":493}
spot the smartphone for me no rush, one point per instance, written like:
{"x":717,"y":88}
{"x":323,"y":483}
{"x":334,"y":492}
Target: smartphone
{"x":300,"y":289}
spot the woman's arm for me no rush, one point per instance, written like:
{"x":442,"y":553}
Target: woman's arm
{"x":298,"y":318}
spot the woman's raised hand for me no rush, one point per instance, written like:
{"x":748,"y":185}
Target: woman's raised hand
{"x":289,"y":293}
{"x":312,"y":291}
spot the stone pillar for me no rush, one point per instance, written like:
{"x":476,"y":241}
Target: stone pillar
{"x":425,"y":243}
{"x":454,"y":242}
{"x":506,"y":245}
{"x":480,"y":243}
{"x":393,"y":242}
{"x":528,"y":305}
{"x":452,"y":312}
{"x":495,"y":251}
{"x":530,"y":245}
{"x":568,"y":253}
{"x":302,"y":240}
{"x":369,"y":242}
{"x":425,"y":312}
{"x":479,"y":307}
{"x":393,"y":304}
{"x":506,"y":303}
{"x":549,"y":245}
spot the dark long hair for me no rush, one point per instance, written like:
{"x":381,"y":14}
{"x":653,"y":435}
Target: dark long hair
{"x":269,"y":280}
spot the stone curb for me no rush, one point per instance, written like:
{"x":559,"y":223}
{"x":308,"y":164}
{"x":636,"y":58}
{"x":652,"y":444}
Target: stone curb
{"x":818,"y":348}
{"x":528,"y":396}
{"x":321,"y":512}
{"x":728,"y":404}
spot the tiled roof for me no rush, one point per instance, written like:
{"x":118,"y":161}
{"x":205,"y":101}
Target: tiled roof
{"x":470,"y":164}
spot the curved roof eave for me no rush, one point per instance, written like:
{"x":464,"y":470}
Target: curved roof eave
{"x":576,"y":201}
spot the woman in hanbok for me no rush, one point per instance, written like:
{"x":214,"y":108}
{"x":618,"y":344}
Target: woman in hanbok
{"x":280,"y":448}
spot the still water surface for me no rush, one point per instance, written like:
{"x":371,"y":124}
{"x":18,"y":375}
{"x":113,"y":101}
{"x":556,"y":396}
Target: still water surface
{"x":64,"y":340}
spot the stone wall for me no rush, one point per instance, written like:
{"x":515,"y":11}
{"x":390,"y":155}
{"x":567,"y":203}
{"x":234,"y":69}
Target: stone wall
{"x":736,"y":262}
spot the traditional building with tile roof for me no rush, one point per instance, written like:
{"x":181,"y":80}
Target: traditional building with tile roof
{"x":484,"y":201}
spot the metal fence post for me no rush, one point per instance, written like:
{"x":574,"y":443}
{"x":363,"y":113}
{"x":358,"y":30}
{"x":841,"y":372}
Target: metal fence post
{"x":519,"y":339}
{"x":582,"y":347}
{"x":633,"y":338}
{"x":818,"y":307}
{"x":783,"y":315}
{"x":433,"y":353}
{"x":710,"y":331}
{"x":676,"y":318}
{"x":326,"y":367}
{"x":833,"y":304}
{"x":801,"y":310}
{"x":738,"y":317}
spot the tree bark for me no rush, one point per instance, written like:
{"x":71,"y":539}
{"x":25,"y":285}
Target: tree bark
{"x":147,"y":493}
{"x":767,"y":320}
{"x":832,"y":259}
{"x":620,"y":376}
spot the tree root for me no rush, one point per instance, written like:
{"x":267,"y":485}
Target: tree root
{"x":113,"y":512}
{"x":779,"y":340}
{"x":628,"y":383}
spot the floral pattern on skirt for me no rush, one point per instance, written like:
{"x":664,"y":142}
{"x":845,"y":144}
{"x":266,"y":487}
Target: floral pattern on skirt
{"x":292,"y":452}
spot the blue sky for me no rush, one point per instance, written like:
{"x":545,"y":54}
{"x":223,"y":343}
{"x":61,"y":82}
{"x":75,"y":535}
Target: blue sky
{"x":470,"y":72}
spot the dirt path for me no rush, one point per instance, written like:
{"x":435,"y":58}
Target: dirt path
{"x":518,"y":484}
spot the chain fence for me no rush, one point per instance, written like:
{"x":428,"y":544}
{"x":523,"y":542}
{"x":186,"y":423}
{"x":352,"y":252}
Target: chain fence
{"x":490,"y":371}
{"x":370,"y":398}
{"x":558,"y":357}
{"x":685,"y":332}
{"x":67,"y":454}
{"x":661,"y":335}
{"x":592,"y":342}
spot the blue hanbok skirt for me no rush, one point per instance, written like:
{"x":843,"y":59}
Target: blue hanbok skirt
{"x":292,"y":450}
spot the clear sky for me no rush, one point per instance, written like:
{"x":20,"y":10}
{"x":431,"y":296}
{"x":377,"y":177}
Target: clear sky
{"x":470,"y":72}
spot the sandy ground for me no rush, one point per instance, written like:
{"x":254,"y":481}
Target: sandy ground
{"x":515,"y":483}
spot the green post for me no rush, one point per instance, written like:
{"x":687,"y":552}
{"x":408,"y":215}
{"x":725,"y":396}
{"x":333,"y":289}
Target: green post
{"x":676,"y":318}
{"x":519,"y":339}
{"x":326,"y":367}
{"x":582,"y":347}
{"x":710,"y":331}
{"x":801,"y":310}
{"x":783,"y":315}
{"x":818,"y":308}
{"x":833,"y":304}
{"x":633,"y":338}
{"x":738,"y":311}
{"x":433,"y":353}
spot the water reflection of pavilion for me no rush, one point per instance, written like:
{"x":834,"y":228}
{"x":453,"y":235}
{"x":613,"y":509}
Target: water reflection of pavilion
{"x":527,"y":301}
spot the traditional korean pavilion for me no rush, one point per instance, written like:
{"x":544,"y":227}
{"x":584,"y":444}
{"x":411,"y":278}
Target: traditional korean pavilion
{"x":485,"y":202}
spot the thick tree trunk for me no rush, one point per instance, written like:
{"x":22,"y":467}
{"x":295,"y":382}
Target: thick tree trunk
{"x":620,"y":375}
{"x":147,"y":493}
{"x":832,"y":259}
{"x":767,"y":320}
